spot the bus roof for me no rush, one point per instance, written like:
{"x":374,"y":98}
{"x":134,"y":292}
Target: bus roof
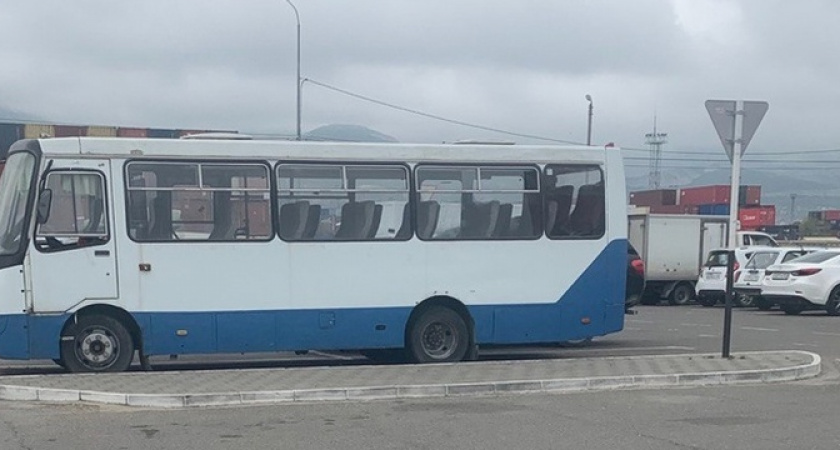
{"x":303,"y":150}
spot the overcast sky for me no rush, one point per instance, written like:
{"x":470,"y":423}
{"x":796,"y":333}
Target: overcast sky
{"x":523,"y":66}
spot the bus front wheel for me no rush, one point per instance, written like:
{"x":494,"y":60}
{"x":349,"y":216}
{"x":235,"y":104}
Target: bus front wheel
{"x":97,"y":343}
{"x":438,"y":335}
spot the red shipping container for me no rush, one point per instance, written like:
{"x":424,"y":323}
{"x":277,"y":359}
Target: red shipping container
{"x":749,"y":195}
{"x":655,"y":197}
{"x":719,"y":194}
{"x":831,"y":214}
{"x":69,"y":130}
{"x":753,"y":217}
{"x":672,"y":209}
{"x":131,"y":132}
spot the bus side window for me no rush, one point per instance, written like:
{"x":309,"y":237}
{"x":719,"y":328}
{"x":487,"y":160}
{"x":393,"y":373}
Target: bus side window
{"x":77,"y":214}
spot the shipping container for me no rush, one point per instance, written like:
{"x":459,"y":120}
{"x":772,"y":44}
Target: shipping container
{"x":34,"y":131}
{"x":654,"y":197}
{"x":131,"y":132}
{"x":831,"y":214}
{"x":9,"y":134}
{"x":713,"y":209}
{"x":102,"y":131}
{"x":749,"y":195}
{"x":69,"y":130}
{"x":162,"y":133}
{"x":718,"y":193}
{"x":673,"y":209}
{"x":755,"y":217}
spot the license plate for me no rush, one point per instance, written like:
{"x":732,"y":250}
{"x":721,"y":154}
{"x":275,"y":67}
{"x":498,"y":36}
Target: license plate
{"x":751,"y":277}
{"x":714,"y":275}
{"x":780,"y":276}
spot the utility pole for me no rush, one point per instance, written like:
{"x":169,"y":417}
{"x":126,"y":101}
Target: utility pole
{"x":655,"y":141}
{"x":792,"y":208}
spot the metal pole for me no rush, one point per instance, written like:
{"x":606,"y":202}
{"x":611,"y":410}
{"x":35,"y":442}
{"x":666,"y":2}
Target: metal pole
{"x":299,"y":82}
{"x":727,"y":317}
{"x":735,"y":186}
{"x":589,"y":122}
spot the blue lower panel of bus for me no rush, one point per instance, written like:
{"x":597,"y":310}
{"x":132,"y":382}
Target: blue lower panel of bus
{"x":591,"y":307}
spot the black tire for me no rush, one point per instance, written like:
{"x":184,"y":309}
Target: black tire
{"x":745,"y":301}
{"x":99,"y":344}
{"x":60,"y":363}
{"x":793,"y":310}
{"x":763,"y":304}
{"x":832,"y":306}
{"x":439,"y":334}
{"x":682,"y":294}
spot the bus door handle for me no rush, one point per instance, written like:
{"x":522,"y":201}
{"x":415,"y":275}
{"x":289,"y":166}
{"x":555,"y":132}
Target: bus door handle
{"x":102,"y":253}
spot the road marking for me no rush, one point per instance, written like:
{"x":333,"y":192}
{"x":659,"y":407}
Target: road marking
{"x":822,"y":333}
{"x":695,"y":325}
{"x":707,"y":335}
{"x":760,"y":329}
{"x":639,"y":321}
{"x":804,"y":345}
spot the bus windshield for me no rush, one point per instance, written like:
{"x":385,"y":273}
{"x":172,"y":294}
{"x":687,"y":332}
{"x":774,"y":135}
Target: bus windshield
{"x":15,"y":183}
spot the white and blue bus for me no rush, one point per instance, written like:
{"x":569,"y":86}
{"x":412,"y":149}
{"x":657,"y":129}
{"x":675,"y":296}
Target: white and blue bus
{"x":116,"y":247}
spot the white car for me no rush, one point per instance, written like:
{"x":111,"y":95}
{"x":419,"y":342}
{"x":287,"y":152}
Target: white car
{"x":809,"y":282}
{"x":711,"y":283}
{"x":748,"y":283}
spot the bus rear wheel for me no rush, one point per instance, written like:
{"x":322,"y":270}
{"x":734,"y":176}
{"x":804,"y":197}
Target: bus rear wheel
{"x":97,"y":343}
{"x":438,"y":335}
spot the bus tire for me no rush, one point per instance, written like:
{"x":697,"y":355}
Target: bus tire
{"x":97,"y":343}
{"x":439,"y":334}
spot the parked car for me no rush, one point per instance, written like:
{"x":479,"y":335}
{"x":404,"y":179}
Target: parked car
{"x":711,"y":283}
{"x":635,"y":278}
{"x":808,"y":282}
{"x":748,"y":283}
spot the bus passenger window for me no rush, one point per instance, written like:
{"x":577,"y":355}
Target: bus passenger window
{"x":204,"y":201}
{"x":574,"y":201}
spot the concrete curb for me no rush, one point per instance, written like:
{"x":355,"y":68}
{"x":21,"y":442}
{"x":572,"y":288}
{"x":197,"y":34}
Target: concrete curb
{"x":562,"y":385}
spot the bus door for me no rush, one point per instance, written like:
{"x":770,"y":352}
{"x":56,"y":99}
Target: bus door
{"x":73,"y":256}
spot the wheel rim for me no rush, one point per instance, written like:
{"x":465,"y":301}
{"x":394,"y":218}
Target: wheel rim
{"x":746,"y":300}
{"x":97,"y":348}
{"x":439,"y":340}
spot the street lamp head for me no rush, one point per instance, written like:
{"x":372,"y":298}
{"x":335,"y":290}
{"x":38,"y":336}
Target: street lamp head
{"x":588,"y":98}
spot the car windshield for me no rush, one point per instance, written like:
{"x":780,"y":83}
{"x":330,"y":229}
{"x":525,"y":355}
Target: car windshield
{"x":15,"y":183}
{"x":817,"y":257}
{"x":761,"y":260}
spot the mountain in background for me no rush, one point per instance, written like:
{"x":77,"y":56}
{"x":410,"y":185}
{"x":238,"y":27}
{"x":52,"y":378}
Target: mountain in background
{"x":347,"y":133}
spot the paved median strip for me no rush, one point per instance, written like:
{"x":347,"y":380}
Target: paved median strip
{"x":544,"y":376}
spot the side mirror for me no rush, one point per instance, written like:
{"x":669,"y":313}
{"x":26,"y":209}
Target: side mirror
{"x":44,"y":203}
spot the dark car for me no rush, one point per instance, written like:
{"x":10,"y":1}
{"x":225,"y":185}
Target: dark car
{"x":635,"y":278}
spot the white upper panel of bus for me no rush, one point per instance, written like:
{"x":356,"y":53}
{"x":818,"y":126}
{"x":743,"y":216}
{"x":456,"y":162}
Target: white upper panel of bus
{"x":294,"y":150}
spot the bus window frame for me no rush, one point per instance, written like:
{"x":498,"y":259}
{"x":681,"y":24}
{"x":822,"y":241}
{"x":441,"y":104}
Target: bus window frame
{"x":477,"y":166}
{"x":350,"y":192}
{"x":95,"y":240}
{"x":127,"y":190}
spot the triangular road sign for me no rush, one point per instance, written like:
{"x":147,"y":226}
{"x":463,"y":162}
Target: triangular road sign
{"x":722,"y":113}
{"x":753,"y":113}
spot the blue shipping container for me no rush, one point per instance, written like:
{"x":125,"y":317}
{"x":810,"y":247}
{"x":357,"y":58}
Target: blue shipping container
{"x":713,"y":209}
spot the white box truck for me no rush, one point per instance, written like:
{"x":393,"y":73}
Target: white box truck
{"x":674,"y":248}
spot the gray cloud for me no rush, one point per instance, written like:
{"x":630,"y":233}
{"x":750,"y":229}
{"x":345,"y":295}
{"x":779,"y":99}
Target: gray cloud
{"x":520,"y":66}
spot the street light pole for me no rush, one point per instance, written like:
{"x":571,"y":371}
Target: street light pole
{"x":589,"y":122}
{"x":299,"y":82}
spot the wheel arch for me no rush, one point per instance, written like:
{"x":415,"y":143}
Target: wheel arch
{"x":112,"y":311}
{"x":446,"y":302}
